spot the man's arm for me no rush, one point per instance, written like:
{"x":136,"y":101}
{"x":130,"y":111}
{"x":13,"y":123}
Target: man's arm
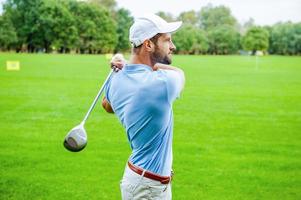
{"x":168,"y":67}
{"x":117,"y":63}
{"x":106,"y":105}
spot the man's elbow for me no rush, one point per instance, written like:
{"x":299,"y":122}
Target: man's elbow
{"x":106,"y":105}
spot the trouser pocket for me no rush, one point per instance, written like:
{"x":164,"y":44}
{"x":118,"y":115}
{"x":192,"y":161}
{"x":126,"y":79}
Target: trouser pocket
{"x":127,"y":190}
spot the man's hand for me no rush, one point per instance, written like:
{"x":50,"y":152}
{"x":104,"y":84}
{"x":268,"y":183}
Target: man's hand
{"x":117,"y":62}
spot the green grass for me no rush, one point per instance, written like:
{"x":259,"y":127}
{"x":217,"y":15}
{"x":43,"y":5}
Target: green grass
{"x":237,"y":131}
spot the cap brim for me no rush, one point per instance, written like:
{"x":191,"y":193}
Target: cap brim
{"x":171,"y":27}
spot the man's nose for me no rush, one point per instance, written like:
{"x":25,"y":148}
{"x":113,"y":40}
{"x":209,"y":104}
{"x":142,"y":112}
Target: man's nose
{"x":172,"y":46}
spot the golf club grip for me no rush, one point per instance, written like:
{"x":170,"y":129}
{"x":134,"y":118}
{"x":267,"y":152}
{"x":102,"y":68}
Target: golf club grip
{"x":97,"y":97}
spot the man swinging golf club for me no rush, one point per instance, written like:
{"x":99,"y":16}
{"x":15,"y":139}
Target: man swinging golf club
{"x":141,"y":94}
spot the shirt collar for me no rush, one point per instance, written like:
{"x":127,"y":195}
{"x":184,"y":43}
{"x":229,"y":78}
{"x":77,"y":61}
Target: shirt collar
{"x":137,"y":67}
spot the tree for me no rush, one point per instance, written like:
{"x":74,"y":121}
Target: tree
{"x":223,"y":40}
{"x":124,"y":21}
{"x":212,"y":17}
{"x":256,"y":38}
{"x":8,"y":35}
{"x":190,"y":40}
{"x":43,"y":24}
{"x":24,"y":15}
{"x":285,"y":38}
{"x":297,"y":38}
{"x":55,"y":27}
{"x":96,"y":28}
{"x":189,"y":17}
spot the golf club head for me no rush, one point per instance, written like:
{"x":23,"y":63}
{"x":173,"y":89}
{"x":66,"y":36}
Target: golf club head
{"x":76,"y":139}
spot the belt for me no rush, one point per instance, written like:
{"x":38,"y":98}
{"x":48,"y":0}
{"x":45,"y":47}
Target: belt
{"x":150,"y":175}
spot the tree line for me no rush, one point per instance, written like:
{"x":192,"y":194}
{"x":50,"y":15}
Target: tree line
{"x":64,"y":26}
{"x":98,"y":26}
{"x":214,"y":30}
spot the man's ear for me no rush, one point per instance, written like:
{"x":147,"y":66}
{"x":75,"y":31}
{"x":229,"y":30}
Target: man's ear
{"x":149,"y":45}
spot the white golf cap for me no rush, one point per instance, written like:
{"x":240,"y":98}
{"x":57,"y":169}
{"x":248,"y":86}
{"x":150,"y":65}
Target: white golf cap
{"x":149,"y":25}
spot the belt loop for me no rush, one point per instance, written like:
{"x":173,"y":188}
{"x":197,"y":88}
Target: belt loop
{"x":140,"y":180}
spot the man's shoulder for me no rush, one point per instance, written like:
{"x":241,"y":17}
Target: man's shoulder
{"x":168,"y":75}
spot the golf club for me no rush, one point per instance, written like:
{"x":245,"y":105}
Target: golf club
{"x":76,"y":139}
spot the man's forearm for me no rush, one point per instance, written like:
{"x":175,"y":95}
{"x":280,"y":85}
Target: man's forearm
{"x":106,"y":105}
{"x":168,"y":67}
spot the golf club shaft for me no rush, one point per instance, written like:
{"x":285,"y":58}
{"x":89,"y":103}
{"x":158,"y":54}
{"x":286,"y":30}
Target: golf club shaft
{"x":97,"y":97}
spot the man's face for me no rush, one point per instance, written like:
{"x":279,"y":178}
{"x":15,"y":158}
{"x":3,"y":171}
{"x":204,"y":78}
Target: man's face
{"x":163,"y":49}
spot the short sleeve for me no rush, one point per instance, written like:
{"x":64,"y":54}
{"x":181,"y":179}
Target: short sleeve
{"x":174,"y":84}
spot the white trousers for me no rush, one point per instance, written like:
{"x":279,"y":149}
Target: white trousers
{"x":136,"y":187}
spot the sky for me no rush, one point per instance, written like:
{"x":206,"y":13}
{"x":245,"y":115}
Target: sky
{"x":264,"y":12}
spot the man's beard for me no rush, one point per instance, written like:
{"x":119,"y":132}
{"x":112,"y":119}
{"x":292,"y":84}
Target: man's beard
{"x":159,"y":57}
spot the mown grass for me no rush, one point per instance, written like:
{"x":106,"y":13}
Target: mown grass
{"x":236,"y":135}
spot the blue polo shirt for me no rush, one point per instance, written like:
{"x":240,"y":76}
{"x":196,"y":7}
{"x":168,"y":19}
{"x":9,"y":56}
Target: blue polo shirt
{"x":142,"y":100}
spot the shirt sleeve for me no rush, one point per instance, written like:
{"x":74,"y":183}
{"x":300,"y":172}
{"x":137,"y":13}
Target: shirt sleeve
{"x":174,"y":82}
{"x":107,"y":90}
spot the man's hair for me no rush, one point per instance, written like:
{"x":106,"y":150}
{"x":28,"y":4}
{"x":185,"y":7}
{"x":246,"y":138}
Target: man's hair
{"x":154,"y":39}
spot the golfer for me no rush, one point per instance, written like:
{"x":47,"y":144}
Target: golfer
{"x":141,"y":94}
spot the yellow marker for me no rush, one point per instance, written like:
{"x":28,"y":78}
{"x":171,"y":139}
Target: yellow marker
{"x":12,"y":65}
{"x":109,"y":56}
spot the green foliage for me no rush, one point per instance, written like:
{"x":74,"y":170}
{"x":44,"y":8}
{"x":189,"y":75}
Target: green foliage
{"x":96,"y":28}
{"x":286,"y":38}
{"x":256,"y":38}
{"x":55,"y":27}
{"x":223,"y":40}
{"x":42,"y":25}
{"x":189,"y":17}
{"x":220,"y":26}
{"x":124,"y":21}
{"x":24,"y":15}
{"x":8,"y":35}
{"x":190,"y":40}
{"x":62,"y":26}
{"x":212,"y":17}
